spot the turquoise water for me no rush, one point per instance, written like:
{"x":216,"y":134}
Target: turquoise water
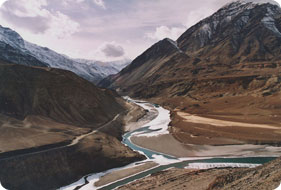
{"x":181,"y":164}
{"x":149,"y":153}
{"x":246,"y":160}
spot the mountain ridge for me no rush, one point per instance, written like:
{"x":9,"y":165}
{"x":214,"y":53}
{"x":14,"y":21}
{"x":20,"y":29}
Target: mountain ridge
{"x":16,"y":50}
{"x":237,"y":33}
{"x":235,"y":62}
{"x":62,"y":124}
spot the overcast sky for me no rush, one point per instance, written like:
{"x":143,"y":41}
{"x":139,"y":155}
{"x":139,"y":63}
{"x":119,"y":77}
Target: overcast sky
{"x":103,"y":29}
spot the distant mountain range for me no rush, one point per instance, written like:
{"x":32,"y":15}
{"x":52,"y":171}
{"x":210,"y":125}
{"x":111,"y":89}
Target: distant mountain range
{"x":14,"y":49}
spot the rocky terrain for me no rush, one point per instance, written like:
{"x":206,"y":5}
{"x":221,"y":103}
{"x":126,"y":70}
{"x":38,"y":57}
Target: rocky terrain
{"x":56,"y":127}
{"x":54,"y":93}
{"x":266,"y":177}
{"x":14,"y":49}
{"x":220,"y":80}
{"x":228,"y":60}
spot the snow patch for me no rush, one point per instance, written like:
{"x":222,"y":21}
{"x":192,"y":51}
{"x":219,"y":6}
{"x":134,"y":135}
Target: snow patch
{"x":10,"y":37}
{"x":85,"y":68}
{"x":206,"y":29}
{"x":93,"y":178}
{"x":260,"y":2}
{"x":254,"y":2}
{"x":162,"y":160}
{"x":160,"y":124}
{"x":232,"y":9}
{"x":245,"y":18}
{"x":174,"y":43}
{"x":1,"y":187}
{"x":220,"y":165}
{"x":278,"y":188}
{"x":269,"y":22}
{"x":91,"y":70}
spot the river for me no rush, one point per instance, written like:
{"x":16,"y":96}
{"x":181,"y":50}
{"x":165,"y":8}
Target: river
{"x":159,"y":126}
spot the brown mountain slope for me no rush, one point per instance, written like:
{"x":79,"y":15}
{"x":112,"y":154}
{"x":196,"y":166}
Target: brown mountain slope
{"x":237,"y":43}
{"x":53,"y":93}
{"x":227,"y":66}
{"x":236,"y":33}
{"x":60,"y":123}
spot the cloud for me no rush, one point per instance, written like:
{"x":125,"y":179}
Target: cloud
{"x":50,"y":23}
{"x":99,"y":3}
{"x":2,"y":1}
{"x":33,"y":15}
{"x":112,"y":49}
{"x":197,"y":15}
{"x":166,"y":32}
{"x":62,"y":26}
{"x":108,"y":51}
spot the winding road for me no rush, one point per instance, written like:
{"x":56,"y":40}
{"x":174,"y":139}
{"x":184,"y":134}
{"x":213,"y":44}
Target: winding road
{"x":164,"y":161}
{"x":73,"y":142}
{"x":79,"y":138}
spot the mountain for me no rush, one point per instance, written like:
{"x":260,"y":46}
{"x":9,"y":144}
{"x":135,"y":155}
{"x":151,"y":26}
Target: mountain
{"x":15,"y":49}
{"x":144,"y":66}
{"x":238,"y":37}
{"x":226,"y":67}
{"x":59,"y":122}
{"x":53,"y":93}
{"x":104,"y":69}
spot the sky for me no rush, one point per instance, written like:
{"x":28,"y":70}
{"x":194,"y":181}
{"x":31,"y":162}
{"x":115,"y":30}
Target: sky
{"x":105,"y":30}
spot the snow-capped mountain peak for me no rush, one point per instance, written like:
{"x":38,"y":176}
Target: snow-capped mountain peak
{"x":233,"y":21}
{"x":11,"y":37}
{"x":242,"y":8}
{"x":260,"y":2}
{"x":253,"y":2}
{"x":14,"y":49}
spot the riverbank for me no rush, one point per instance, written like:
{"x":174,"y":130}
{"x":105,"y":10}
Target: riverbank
{"x":88,"y":150}
{"x":197,"y":145}
{"x":266,"y":177}
{"x":173,"y":147}
{"x":121,"y":174}
{"x":154,"y":133}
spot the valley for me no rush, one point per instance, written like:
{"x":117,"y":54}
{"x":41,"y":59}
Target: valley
{"x":198,"y":112}
{"x":220,"y":80}
{"x":42,"y":126}
{"x":196,"y":158}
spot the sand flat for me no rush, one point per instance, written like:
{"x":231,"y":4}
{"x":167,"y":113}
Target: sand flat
{"x":222,"y":123}
{"x":166,"y":144}
{"x":117,"y":175}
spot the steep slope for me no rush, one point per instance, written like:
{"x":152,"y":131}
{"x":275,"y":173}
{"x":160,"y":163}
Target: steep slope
{"x":52,"y":104}
{"x":16,"y":50}
{"x":12,"y":49}
{"x":225,"y":67}
{"x":240,"y":39}
{"x":238,"y":32}
{"x":145,"y":66}
{"x":60,"y":123}
{"x":53,"y":93}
